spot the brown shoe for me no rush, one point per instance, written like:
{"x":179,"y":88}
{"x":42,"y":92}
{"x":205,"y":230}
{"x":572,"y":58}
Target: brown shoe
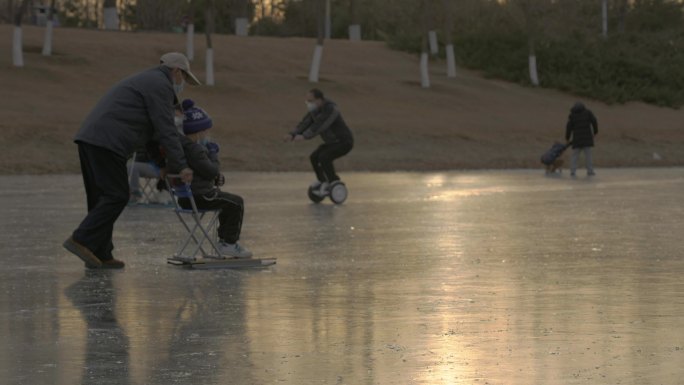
{"x":87,"y":256}
{"x":112,"y":264}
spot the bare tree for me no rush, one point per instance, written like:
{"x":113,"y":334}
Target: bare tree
{"x":208,"y":30}
{"x":17,"y":41}
{"x":354,"y":27}
{"x":110,"y":15}
{"x":328,"y":19}
{"x":448,"y":32}
{"x":318,"y":50}
{"x":604,"y":18}
{"x":242,"y":20}
{"x":47,"y":41}
{"x":424,"y":57}
{"x":531,"y":14}
{"x":622,"y":15}
{"x":190,"y":32}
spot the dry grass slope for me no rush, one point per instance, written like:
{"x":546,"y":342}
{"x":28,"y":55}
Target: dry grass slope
{"x":467,"y":122}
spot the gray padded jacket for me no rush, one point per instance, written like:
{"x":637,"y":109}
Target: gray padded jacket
{"x":204,"y":164}
{"x":133,"y":112}
{"x":327,"y":122}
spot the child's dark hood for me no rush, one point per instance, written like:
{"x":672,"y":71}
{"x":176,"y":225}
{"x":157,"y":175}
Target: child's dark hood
{"x":577,"y":108}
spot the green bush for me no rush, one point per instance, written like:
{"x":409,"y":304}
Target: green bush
{"x":626,"y":67}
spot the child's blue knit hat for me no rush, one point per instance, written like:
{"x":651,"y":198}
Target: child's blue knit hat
{"x":195,"y":119}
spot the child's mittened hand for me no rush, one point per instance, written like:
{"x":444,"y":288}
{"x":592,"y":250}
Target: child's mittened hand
{"x":220,"y":180}
{"x":213,"y":147}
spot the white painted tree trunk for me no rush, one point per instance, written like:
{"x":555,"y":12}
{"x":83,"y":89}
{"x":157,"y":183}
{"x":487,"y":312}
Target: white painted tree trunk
{"x":328,"y":20}
{"x":111,"y":18}
{"x":316,"y":64}
{"x":355,"y":32}
{"x":432,"y":38}
{"x":209,"y":58}
{"x":17,"y":49}
{"x":604,"y":18}
{"x":451,"y":61}
{"x":534,"y":78}
{"x":424,"y":74}
{"x":190,"y":42}
{"x":241,"y":26}
{"x":47,"y":42}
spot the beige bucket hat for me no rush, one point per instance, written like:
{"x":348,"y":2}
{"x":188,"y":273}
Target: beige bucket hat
{"x":178,"y":60}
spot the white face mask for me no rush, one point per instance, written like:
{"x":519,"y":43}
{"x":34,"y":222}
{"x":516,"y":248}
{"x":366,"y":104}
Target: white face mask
{"x":178,"y":121}
{"x":178,"y":88}
{"x":310,"y":106}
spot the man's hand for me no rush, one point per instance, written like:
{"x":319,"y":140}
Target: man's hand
{"x":288,"y":138}
{"x":298,"y":138}
{"x":186,"y":175}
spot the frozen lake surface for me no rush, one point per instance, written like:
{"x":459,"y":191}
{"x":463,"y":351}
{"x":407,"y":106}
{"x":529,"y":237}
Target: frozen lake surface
{"x":499,"y":277}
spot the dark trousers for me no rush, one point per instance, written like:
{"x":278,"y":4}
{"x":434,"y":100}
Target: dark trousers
{"x":322,"y":160}
{"x":106,"y":183}
{"x":230,"y":218}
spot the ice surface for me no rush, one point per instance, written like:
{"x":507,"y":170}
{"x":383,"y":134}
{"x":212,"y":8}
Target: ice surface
{"x":501,"y":277}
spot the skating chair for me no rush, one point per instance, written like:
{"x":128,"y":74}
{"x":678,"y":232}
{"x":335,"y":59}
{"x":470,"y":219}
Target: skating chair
{"x":200,"y":224}
{"x":148,"y":187}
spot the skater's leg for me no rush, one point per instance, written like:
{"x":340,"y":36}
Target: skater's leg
{"x":106,"y":179}
{"x":329,"y":154}
{"x":230,"y":221}
{"x":573,"y":160}
{"x":316,"y":164}
{"x":230,"y":218}
{"x":589,"y":161}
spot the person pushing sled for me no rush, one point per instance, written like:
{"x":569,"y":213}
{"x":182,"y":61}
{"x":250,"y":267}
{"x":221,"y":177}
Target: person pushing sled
{"x":323,"y":118}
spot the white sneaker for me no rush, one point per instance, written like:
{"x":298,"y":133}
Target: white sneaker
{"x":234,"y":250}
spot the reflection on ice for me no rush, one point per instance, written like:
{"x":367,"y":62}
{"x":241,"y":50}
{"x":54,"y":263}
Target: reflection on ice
{"x":502,"y":277}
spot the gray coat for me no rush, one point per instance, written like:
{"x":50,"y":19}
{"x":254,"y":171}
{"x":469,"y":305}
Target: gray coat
{"x":327,"y":122}
{"x":204,"y":164}
{"x":134,"y":111}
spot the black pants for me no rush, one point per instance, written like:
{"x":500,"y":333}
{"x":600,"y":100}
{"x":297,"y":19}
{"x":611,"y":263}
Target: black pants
{"x":106,"y":183}
{"x":230,"y":218}
{"x":322,"y":160}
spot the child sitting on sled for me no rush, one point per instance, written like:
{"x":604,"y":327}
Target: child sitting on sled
{"x":202,"y":158}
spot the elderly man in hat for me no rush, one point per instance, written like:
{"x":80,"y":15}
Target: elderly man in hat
{"x":131,"y":113}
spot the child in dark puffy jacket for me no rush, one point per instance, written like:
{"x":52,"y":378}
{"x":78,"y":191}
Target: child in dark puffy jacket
{"x":202,"y":158}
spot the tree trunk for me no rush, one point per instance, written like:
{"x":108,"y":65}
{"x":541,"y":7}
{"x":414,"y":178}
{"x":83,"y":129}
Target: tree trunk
{"x":622,"y":15}
{"x":17,"y":41}
{"x":531,"y":28}
{"x":434,"y":44}
{"x":354,"y":27}
{"x":47,"y":41}
{"x":110,"y":15}
{"x":209,"y":58}
{"x":424,"y":57}
{"x":604,"y":18}
{"x":532,"y":61}
{"x":448,"y":38}
{"x":242,"y":22}
{"x":318,"y":50}
{"x":190,"y":33}
{"x":328,"y":19}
